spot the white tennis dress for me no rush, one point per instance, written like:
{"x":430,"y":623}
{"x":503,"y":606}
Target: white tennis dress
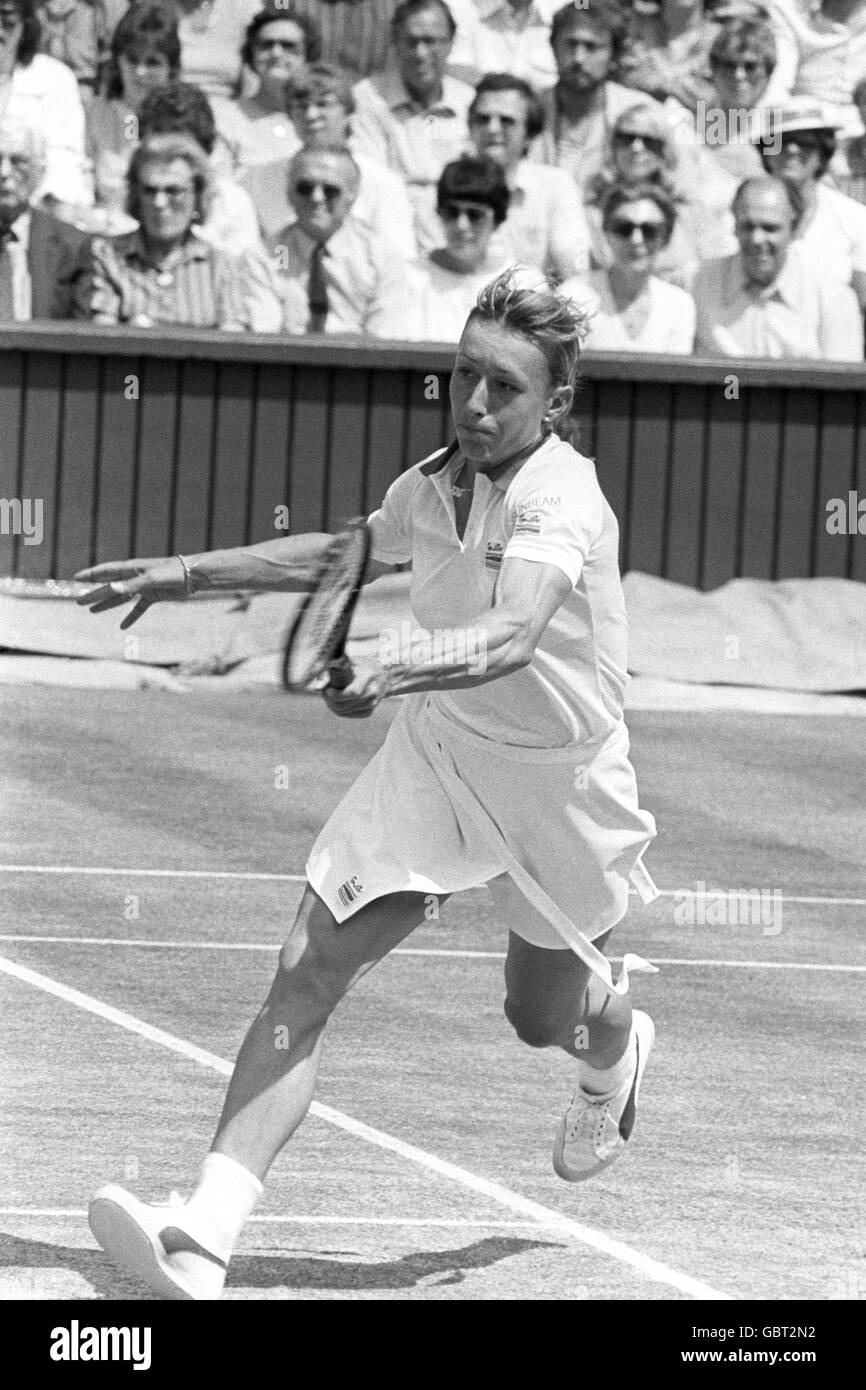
{"x":533,"y":766}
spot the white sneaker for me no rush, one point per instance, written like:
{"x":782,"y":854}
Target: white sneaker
{"x":158,"y":1245}
{"x":595,"y":1129}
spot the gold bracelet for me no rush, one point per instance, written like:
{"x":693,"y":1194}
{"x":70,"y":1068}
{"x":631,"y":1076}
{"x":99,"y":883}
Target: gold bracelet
{"x":188,"y":588}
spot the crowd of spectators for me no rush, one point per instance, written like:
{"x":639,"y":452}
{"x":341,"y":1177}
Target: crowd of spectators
{"x":691,"y":172}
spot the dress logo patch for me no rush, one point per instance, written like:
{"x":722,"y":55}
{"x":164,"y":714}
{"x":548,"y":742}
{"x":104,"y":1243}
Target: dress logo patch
{"x":493,"y":554}
{"x":350,"y":890}
{"x":528,"y":524}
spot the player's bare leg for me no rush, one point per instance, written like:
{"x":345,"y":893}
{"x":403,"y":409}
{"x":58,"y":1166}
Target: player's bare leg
{"x":275,"y":1072}
{"x":183,"y":1251}
{"x":554,"y":1000}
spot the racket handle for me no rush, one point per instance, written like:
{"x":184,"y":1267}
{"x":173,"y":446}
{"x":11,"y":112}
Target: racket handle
{"x":340,"y":673}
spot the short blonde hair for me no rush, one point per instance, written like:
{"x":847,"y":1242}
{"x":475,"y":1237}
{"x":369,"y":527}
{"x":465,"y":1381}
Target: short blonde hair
{"x":528,"y":305}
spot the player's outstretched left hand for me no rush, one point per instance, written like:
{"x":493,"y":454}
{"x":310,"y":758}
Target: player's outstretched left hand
{"x":370,"y":684}
{"x":148,"y":581}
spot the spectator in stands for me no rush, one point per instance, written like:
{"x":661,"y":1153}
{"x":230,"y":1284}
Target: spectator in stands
{"x":42,"y":259}
{"x":321,"y":104}
{"x":336,"y":274}
{"x":77,"y":33}
{"x":181,"y":108}
{"x":830,"y":39}
{"x":630,"y":308}
{"x":414,"y":119}
{"x":211,"y":36}
{"x":279,"y":44}
{"x":145,"y":53}
{"x":546,"y":225}
{"x":582,"y":107}
{"x":798,"y":144}
{"x":163,"y":273}
{"x":472,"y":200}
{"x":769,"y":299}
{"x":43,"y":92}
{"x":742,"y":60}
{"x":642,"y":150}
{"x":510,"y":36}
{"x":667,"y":54}
{"x":354,"y":32}
{"x":847,"y":171}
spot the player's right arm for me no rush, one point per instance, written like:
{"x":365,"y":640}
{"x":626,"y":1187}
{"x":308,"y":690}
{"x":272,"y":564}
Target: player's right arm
{"x":287,"y":564}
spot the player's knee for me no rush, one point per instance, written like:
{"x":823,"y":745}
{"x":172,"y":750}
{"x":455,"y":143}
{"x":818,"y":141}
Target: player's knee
{"x":533,"y":1027}
{"x":308,"y":977}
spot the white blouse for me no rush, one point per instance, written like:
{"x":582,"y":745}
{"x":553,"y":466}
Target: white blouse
{"x":670,"y":325}
{"x":442,"y":300}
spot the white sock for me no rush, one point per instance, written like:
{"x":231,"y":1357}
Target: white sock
{"x":598,"y":1081}
{"x":222,"y":1202}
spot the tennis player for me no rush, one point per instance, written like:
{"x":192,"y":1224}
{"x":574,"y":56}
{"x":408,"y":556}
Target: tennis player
{"x":521,"y":756}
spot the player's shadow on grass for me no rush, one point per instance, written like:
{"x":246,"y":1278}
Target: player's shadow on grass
{"x":340,"y":1269}
{"x":330,"y":1270}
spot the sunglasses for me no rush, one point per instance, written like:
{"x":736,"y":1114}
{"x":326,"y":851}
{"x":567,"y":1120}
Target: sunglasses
{"x":306,"y":101}
{"x":626,"y":138}
{"x":650,"y":231}
{"x":732,"y":66}
{"x":305,"y":188}
{"x":481,"y":118}
{"x":287,"y":45}
{"x":803,"y":140}
{"x":452,"y":212}
{"x":174,"y":191}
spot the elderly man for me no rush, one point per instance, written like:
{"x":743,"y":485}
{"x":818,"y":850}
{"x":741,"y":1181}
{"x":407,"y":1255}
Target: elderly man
{"x":42,"y":259}
{"x":320,"y":103}
{"x":414,"y":119}
{"x":337,"y":274}
{"x":581,"y":109}
{"x":768,"y":300}
{"x":798,"y":143}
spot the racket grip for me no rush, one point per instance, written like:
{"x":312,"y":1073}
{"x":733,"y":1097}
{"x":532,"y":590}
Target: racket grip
{"x":340,"y":673}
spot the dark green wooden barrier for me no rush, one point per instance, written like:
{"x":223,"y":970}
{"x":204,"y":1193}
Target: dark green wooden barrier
{"x":142,"y":444}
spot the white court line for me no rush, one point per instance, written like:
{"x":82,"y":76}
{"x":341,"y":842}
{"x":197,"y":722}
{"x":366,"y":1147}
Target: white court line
{"x":149,"y":873}
{"x":301,"y":878}
{"x":545,"y":1216}
{"x":398,"y":951}
{"x":396,"y":1221}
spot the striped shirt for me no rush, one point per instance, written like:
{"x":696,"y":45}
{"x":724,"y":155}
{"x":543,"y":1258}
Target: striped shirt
{"x":356,"y":34}
{"x":204,"y":288}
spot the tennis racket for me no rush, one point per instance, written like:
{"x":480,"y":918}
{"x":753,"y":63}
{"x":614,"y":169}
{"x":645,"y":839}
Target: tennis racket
{"x":317,"y":640}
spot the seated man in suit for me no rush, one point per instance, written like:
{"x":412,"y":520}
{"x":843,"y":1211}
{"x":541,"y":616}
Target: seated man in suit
{"x":41,"y":258}
{"x":335,"y":273}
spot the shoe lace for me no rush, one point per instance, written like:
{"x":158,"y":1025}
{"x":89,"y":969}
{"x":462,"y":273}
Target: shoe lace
{"x":589,"y":1117}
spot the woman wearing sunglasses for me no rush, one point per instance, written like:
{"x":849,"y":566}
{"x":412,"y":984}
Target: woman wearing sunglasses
{"x":642,"y":150}
{"x":630,"y":308}
{"x":742,"y":61}
{"x":471,"y":201}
